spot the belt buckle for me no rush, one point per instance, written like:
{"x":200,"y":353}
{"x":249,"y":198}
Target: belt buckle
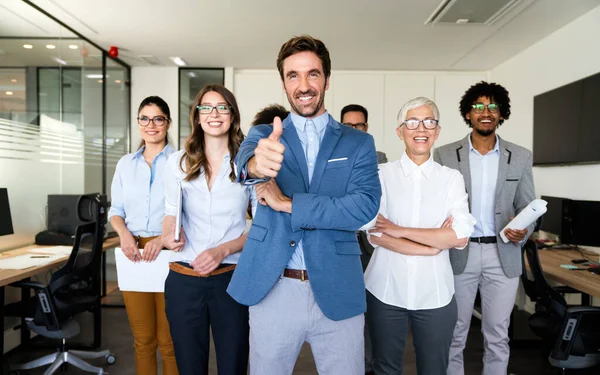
{"x":479,"y":240}
{"x":302,"y":275}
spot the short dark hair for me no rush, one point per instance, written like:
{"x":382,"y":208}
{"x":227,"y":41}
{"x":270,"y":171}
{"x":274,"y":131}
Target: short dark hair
{"x":493,"y":91}
{"x":304,"y":43}
{"x":268,"y":114}
{"x":354,"y":108}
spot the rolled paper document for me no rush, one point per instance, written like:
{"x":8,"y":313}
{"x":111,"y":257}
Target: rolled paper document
{"x":535,"y":209}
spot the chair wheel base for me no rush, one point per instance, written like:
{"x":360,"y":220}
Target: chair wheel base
{"x":110,"y":359}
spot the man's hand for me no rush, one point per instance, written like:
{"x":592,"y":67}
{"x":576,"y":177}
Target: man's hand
{"x":168,"y":239}
{"x":515,"y":235}
{"x":129,"y":247}
{"x":208,"y":260}
{"x":383,"y":225}
{"x":268,"y":194}
{"x":152,"y":249}
{"x":268,"y":155}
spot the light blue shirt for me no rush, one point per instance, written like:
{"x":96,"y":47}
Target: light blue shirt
{"x":308,"y":142}
{"x":209,"y":217}
{"x":137,"y":192}
{"x":484,"y":175}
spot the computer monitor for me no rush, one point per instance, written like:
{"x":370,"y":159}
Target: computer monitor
{"x":6,"y":226}
{"x":62,"y":213}
{"x":553,"y":218}
{"x":580,"y":223}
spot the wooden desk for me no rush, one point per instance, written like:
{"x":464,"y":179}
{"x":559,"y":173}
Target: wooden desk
{"x":584,"y":281}
{"x":10,"y":276}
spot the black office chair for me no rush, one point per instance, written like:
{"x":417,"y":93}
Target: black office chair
{"x":74,"y":288}
{"x":571,"y":335}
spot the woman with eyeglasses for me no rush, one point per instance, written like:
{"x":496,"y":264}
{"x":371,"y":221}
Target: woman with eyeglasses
{"x":136,"y":214}
{"x":424,"y":211}
{"x":213,"y":222}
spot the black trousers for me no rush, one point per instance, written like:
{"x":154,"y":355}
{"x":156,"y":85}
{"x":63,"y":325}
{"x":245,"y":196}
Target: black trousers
{"x":196,"y":304}
{"x":431,"y":329}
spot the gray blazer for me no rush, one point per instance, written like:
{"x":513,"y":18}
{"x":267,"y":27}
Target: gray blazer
{"x":381,"y":157}
{"x":514,"y":191}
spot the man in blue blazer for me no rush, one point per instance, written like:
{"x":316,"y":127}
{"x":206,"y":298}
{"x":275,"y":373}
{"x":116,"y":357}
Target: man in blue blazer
{"x":300,"y":269}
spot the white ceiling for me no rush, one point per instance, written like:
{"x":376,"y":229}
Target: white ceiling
{"x":366,"y":35}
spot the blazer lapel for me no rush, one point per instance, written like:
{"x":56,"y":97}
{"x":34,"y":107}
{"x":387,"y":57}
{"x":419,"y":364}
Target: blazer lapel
{"x":290,"y":136}
{"x":332,"y":135}
{"x":505,"y":158}
{"x":462,"y":155}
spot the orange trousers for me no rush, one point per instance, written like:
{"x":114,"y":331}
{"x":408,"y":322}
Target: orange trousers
{"x":148,"y":320}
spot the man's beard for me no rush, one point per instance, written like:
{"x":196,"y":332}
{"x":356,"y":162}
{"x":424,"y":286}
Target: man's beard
{"x":316,"y":109}
{"x":484,"y":132}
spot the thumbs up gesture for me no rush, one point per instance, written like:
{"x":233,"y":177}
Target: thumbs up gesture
{"x":268,"y":155}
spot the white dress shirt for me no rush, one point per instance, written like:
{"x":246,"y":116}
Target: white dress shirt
{"x":210,"y":217}
{"x":418,"y":197}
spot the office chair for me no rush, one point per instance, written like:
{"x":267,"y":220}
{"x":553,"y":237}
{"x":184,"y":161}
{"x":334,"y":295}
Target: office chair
{"x":571,"y":335}
{"x":72,"y":289}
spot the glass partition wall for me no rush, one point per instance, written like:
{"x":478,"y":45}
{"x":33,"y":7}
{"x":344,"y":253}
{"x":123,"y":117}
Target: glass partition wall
{"x":64,"y":117}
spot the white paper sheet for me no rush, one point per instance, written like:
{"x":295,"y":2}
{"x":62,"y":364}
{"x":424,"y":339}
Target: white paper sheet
{"x":55,"y":250}
{"x":142,"y":276}
{"x":531,"y":213}
{"x":21,"y":262}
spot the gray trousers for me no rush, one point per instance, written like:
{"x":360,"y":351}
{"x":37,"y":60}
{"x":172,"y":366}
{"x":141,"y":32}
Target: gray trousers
{"x":431,"y":331}
{"x":498,"y":293}
{"x":289,"y":316}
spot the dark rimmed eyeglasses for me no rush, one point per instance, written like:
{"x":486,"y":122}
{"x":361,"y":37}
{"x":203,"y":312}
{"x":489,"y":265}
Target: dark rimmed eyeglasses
{"x":413,"y":123}
{"x":360,"y":126}
{"x":222,"y":109}
{"x":480,"y":107}
{"x":157,"y":120}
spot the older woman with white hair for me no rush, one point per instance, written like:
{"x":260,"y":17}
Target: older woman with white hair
{"x":424,"y":212}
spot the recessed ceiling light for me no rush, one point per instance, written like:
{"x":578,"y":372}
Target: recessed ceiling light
{"x":191,"y":74}
{"x":9,"y":93}
{"x":178,"y":61}
{"x":27,"y":46}
{"x":99,"y":81}
{"x":14,"y":80}
{"x":60,"y":61}
{"x":73,"y":46}
{"x":94,"y":76}
{"x":50,"y":46}
{"x":117,"y":81}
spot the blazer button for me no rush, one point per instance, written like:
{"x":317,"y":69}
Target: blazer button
{"x":292,"y":243}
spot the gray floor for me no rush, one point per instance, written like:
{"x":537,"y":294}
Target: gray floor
{"x":117,"y":337}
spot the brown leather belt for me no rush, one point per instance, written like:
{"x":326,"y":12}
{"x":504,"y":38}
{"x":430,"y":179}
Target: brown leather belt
{"x":295,"y":274}
{"x":180,"y":268}
{"x":142,"y":241}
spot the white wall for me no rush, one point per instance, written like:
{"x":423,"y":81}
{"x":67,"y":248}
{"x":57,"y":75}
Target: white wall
{"x":381,"y":92}
{"x":567,"y":55}
{"x":160,"y":81}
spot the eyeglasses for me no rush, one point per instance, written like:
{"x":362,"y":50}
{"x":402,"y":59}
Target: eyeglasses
{"x":222,"y":109}
{"x":360,"y":126}
{"x":480,"y":107}
{"x":413,"y":123}
{"x":157,"y":120}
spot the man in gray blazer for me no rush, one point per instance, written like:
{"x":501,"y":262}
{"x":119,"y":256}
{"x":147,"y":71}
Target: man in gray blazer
{"x":499,"y":181}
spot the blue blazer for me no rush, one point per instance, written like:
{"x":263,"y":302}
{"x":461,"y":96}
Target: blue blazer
{"x":343,"y":196}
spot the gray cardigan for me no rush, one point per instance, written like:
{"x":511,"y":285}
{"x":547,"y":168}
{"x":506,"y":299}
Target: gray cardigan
{"x":514,"y":191}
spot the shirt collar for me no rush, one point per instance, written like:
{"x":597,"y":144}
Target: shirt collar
{"x":495,"y":149}
{"x":168,"y":150}
{"x":409,"y":166}
{"x":320,"y":121}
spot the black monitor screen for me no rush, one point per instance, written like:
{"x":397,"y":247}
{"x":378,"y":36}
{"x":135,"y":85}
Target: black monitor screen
{"x":62,"y":213}
{"x":6,"y":226}
{"x":580,"y":223}
{"x":552,"y":220}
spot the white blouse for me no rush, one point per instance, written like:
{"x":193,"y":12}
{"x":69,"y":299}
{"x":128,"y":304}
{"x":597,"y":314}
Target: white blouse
{"x":418,"y":197}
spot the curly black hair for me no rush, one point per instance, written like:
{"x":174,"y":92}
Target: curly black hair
{"x":493,"y":91}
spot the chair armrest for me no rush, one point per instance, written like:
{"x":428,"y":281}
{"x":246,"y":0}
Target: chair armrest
{"x":29,"y":284}
{"x":570,"y":327}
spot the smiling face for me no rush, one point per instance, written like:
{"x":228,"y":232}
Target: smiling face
{"x":486,"y":122}
{"x":153,"y":134}
{"x":305,"y":84}
{"x":214,"y":124}
{"x":420,"y":140}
